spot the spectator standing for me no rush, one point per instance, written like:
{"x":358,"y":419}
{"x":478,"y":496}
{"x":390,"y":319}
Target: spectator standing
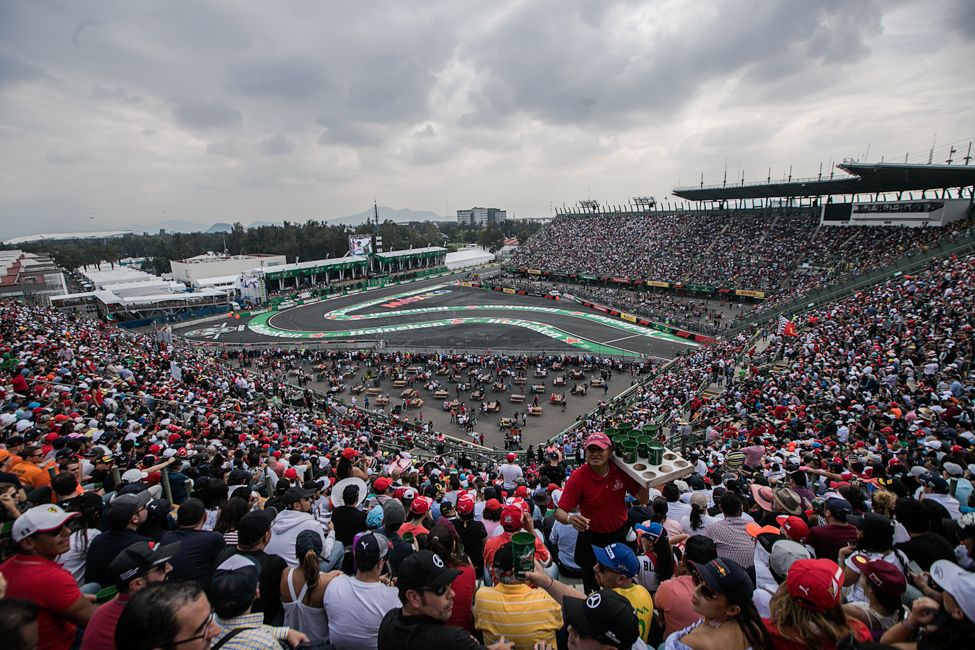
{"x":598,"y":489}
{"x":471,"y":532}
{"x":510,"y":472}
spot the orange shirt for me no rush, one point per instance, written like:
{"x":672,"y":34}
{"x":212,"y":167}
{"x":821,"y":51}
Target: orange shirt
{"x":32,"y":475}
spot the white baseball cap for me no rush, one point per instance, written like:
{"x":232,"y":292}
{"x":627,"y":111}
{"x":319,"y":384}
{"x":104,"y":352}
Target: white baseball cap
{"x":40,"y":519}
{"x":133,"y":476}
{"x":953,"y":579}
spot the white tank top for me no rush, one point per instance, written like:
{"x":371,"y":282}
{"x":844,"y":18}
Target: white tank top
{"x":302,"y":617}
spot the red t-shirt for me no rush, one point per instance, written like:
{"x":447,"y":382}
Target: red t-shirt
{"x":492,"y":545}
{"x":52,"y":588}
{"x":100,"y":632}
{"x":860,"y":632}
{"x":464,"y":587}
{"x":600,"y":499}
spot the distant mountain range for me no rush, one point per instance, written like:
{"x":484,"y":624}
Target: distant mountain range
{"x":401,"y":215}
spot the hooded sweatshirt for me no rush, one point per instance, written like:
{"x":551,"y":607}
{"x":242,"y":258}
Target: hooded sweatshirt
{"x":284,"y":532}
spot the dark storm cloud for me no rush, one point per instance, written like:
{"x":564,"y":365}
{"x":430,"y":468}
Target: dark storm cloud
{"x":563,"y":67}
{"x":206,"y":113}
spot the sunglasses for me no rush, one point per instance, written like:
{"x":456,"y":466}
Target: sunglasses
{"x":440,"y":591}
{"x":706,"y":592}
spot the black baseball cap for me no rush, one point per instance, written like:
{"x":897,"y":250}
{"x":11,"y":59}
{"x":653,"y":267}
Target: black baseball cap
{"x":604,"y":616}
{"x":873,"y":524}
{"x":504,"y":557}
{"x":253,"y":525}
{"x":372,"y":545}
{"x":424,"y":570}
{"x":190,"y":512}
{"x":234,"y":586}
{"x":296,"y":494}
{"x":136,"y":560}
{"x":726,"y":578}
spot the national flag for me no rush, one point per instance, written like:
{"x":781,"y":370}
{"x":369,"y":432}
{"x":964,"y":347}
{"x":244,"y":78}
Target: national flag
{"x":787,"y":327}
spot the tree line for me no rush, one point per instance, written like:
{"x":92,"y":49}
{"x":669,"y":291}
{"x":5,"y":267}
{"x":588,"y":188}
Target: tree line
{"x":310,"y":240}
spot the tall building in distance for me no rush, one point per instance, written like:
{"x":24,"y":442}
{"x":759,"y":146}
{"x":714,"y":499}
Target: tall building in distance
{"x":481,"y":216}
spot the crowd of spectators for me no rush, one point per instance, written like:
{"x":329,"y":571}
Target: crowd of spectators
{"x":785,"y":254}
{"x":159,"y":497}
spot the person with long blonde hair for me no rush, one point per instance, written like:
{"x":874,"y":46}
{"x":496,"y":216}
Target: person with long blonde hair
{"x":807,"y":610}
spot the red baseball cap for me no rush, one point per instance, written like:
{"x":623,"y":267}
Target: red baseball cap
{"x":291,"y":473}
{"x":465,"y":504}
{"x":511,"y":517}
{"x":349,"y":453}
{"x":381,"y":484}
{"x":492,"y":504}
{"x":599,"y":439}
{"x":815,"y":584}
{"x":883,"y":576}
{"x":420,"y":505}
{"x":521,"y":491}
{"x":794,"y":527}
{"x":511,"y":457}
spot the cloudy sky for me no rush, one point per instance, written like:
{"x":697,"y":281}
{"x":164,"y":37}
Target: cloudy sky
{"x":206,"y":111}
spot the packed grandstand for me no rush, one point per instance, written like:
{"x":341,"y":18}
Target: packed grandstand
{"x":156,"y":494}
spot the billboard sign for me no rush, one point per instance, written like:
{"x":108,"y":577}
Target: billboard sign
{"x":360,"y":244}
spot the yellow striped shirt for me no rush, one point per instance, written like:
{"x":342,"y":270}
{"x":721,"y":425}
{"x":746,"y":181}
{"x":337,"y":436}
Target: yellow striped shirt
{"x":520,"y":614}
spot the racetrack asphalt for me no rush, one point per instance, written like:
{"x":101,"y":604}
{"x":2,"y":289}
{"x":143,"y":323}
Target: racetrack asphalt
{"x":465,"y":319}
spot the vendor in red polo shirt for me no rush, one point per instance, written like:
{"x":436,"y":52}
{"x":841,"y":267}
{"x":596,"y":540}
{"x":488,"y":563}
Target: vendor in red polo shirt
{"x":598,"y":491}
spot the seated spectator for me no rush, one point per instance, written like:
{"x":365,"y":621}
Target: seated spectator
{"x":923,"y":546}
{"x":827,"y":539}
{"x":884,"y":588}
{"x":295,"y":519}
{"x":513,"y":610}
{"x":673,"y":599}
{"x":137,"y":567}
{"x":356,"y":604}
{"x":84,"y":529}
{"x":18,"y":624}
{"x":722,"y":598}
{"x":443,"y":543}
{"x":198,"y":548}
{"x":253,"y":534}
{"x":233,"y":590}
{"x":955,"y":629}
{"x":656,"y":558}
{"x":167,"y":615}
{"x":806,"y":610}
{"x":42,"y":534}
{"x":303,"y":587}
{"x":423,"y":582}
{"x":616,"y":569}
{"x":125,"y":514}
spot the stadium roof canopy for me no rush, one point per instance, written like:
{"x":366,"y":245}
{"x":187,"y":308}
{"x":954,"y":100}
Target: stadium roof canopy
{"x":865,"y":178}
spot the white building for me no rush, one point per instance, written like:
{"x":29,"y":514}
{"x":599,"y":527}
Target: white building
{"x":481,"y":216}
{"x":214,"y":265}
{"x":467,"y":257}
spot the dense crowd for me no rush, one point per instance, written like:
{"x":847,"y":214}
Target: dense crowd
{"x":157,"y":497}
{"x":784,"y":254}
